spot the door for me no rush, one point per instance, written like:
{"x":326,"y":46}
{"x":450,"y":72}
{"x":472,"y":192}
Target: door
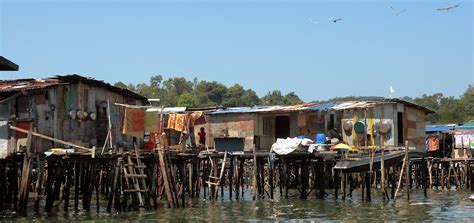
{"x":282,"y":127}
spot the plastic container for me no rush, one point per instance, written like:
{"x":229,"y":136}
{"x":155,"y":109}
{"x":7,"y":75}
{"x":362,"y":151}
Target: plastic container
{"x":320,"y":138}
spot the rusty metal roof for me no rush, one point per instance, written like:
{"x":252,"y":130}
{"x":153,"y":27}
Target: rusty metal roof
{"x":318,"y":106}
{"x":368,"y":104}
{"x":74,"y":78}
{"x":265,"y":109}
{"x":23,"y":85}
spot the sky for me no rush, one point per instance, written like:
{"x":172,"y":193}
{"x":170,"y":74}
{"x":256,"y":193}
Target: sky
{"x":263,"y":45}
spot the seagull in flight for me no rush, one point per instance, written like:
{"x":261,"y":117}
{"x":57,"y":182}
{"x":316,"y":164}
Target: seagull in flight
{"x":397,"y":12}
{"x":313,"y":21}
{"x":448,"y":8}
{"x":336,"y":20}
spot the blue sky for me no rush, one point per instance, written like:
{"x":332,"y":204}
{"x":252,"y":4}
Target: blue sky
{"x":262,"y":45}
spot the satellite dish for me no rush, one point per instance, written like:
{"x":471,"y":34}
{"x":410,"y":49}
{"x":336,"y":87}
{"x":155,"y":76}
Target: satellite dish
{"x":359,"y":127}
{"x":347,"y":126}
{"x":384,"y":127}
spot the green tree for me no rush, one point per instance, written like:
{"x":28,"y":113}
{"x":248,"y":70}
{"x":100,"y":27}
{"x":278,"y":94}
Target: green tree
{"x":120,"y":84}
{"x":273,"y":98}
{"x":466,"y":104}
{"x":155,"y":81}
{"x":173,"y":88}
{"x":292,"y":99}
{"x":250,"y":98}
{"x":237,"y":96}
{"x":187,"y":100}
{"x":210,"y":93}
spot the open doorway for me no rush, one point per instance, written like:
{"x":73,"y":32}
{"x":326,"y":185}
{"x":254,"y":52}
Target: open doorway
{"x":282,"y":127}
{"x":401,"y":140}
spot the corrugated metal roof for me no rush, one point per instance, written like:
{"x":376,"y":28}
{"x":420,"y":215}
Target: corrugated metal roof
{"x":167,"y":110}
{"x":439,"y":128}
{"x":354,"y":104}
{"x":266,"y":109}
{"x":467,"y":125}
{"x":102,"y":84}
{"x":26,"y":84}
{"x":322,"y":106}
{"x":22,"y":85}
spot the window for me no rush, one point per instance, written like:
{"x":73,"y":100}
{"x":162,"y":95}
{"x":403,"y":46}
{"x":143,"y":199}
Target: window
{"x":267,"y":125}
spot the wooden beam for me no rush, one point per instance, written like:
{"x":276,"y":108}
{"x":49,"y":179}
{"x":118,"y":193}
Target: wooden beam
{"x":50,"y":138}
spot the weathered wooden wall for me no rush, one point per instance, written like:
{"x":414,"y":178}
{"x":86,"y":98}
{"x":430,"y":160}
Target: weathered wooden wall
{"x":48,"y":109}
{"x":230,"y":125}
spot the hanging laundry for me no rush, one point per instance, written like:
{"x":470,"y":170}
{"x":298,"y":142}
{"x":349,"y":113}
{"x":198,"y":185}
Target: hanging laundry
{"x":466,"y":141}
{"x":433,"y":143}
{"x":134,"y":122}
{"x":152,"y":122}
{"x":171,"y":121}
{"x":194,"y":117}
{"x":458,"y":141}
{"x":180,"y":124}
{"x":472,"y":141}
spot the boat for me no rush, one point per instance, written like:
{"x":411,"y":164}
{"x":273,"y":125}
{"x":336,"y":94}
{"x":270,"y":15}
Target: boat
{"x":362,"y":164}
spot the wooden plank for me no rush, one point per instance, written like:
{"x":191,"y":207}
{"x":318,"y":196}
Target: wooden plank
{"x":50,"y":138}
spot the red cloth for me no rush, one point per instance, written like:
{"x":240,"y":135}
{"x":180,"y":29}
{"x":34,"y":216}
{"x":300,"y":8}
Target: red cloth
{"x":202,"y":137}
{"x":134,"y":122}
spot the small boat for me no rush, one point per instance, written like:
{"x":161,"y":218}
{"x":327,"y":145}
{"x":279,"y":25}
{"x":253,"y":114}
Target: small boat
{"x":362,"y":164}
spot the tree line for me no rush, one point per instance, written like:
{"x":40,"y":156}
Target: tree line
{"x":178,"y":91}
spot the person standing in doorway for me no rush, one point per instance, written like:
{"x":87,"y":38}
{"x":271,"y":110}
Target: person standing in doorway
{"x":202,"y":137}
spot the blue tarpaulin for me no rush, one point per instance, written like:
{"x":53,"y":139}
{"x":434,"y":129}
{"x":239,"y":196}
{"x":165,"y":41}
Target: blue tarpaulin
{"x":439,"y":128}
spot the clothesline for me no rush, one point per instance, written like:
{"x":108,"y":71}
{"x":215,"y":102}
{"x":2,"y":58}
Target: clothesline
{"x":137,"y":106}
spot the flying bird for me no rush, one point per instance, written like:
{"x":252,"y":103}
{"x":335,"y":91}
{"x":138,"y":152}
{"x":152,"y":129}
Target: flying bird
{"x":336,"y":20}
{"x":397,"y":12}
{"x":313,"y":21}
{"x":448,"y":8}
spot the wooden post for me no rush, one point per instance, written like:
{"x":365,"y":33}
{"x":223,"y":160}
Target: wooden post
{"x":423,"y":174}
{"x":271,"y":172}
{"x":39,"y":183}
{"x":3,"y":184}
{"x":231,"y":176}
{"x":49,"y":186}
{"x":322,"y":184}
{"x":241,"y":176}
{"x":368,"y":186}
{"x":392,"y":180}
{"x":238,"y":182}
{"x":407,"y":170}
{"x":76,"y":184}
{"x":382,"y":175}
{"x":183,"y":182}
{"x":304,"y":178}
{"x":164,"y":173}
{"x":67,"y":185}
{"x":254,"y":177}
{"x":344,"y":186}
{"x":285,"y":176}
{"x":25,"y":174}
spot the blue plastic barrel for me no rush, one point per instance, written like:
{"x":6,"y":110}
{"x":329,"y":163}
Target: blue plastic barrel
{"x":320,"y":138}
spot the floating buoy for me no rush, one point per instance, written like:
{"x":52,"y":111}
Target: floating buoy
{"x":471,"y":197}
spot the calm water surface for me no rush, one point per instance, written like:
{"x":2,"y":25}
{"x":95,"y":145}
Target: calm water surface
{"x":440,"y":206}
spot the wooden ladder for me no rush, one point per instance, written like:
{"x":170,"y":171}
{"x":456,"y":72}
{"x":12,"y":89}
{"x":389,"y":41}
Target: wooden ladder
{"x":214,"y":180}
{"x":135,"y":178}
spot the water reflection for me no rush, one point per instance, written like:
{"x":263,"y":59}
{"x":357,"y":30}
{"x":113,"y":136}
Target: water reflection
{"x":440,"y":206}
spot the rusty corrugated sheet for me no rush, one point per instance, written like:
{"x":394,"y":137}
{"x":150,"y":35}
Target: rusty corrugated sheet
{"x":26,"y":84}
